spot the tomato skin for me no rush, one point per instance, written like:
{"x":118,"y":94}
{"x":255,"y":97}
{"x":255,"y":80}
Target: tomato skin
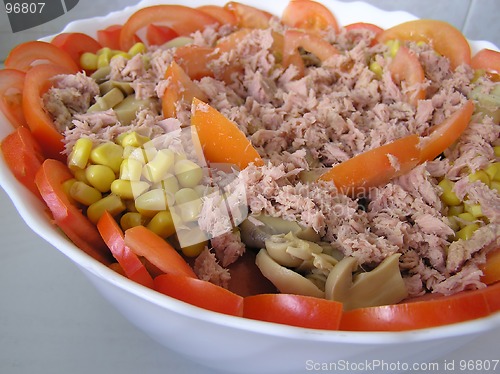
{"x":364,"y":25}
{"x":23,"y":156}
{"x":182,"y":19}
{"x":199,"y":293}
{"x":294,"y":310}
{"x":489,"y":61}
{"x":248,"y":16}
{"x":144,"y":242}
{"x":491,"y":269}
{"x":24,"y":55}
{"x":158,"y":34}
{"x":406,"y":67}
{"x":221,"y":14}
{"x":113,"y":236}
{"x":11,"y":89}
{"x":39,"y":122}
{"x":194,"y":60}
{"x":75,"y":44}
{"x":110,"y":36}
{"x":444,"y":38}
{"x":309,"y":15}
{"x":69,"y":218}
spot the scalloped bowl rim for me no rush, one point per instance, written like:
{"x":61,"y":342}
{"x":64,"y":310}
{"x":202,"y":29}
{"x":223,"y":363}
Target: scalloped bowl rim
{"x":33,"y":211}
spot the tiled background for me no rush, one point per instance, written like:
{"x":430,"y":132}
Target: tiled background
{"x":478,"y":19}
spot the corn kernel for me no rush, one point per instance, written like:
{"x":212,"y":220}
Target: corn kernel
{"x":194,"y":249}
{"x":85,"y":194}
{"x":136,"y":49}
{"x":88,"y":61}
{"x":80,"y":154}
{"x":465,"y":218}
{"x":80,"y":175}
{"x":100,"y":177}
{"x":156,"y":169}
{"x":152,"y":202}
{"x":103,"y":59}
{"x":131,"y":169}
{"x":474,"y":209}
{"x":131,"y":219}
{"x":376,"y":68}
{"x":162,"y":224}
{"x":493,"y":171}
{"x":480,"y":175}
{"x":495,"y":185}
{"x":394,"y":46}
{"x":109,"y":154}
{"x":467,"y":232}
{"x":188,"y":173}
{"x":184,"y":195}
{"x":169,"y":184}
{"x":496,"y":149}
{"x":133,"y":139}
{"x":67,"y":188}
{"x":125,"y":55}
{"x":111,"y":203}
{"x":448,"y":196}
{"x":455,"y":210}
{"x":127,"y":189}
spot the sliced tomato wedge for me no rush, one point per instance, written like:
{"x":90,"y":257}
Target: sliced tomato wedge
{"x":144,"y":242}
{"x":194,"y":60}
{"x":221,"y":14}
{"x":23,"y":156}
{"x":221,"y":139}
{"x":159,"y":34}
{"x":113,"y":236}
{"x":375,"y":167}
{"x":405,"y":67}
{"x":491,"y":269}
{"x":443,"y":37}
{"x":489,"y":61}
{"x":23,"y":56}
{"x":75,"y":44}
{"x":49,"y":180}
{"x":248,"y":16}
{"x":446,"y":133}
{"x":11,"y":92}
{"x":364,"y":26}
{"x":295,"y":39}
{"x":309,"y":15}
{"x":199,"y":293}
{"x":182,"y":19}
{"x":39,"y":121}
{"x":294,"y":310}
{"x":110,"y":36}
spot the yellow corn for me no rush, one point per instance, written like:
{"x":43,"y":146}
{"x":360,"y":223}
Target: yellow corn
{"x":127,"y":189}
{"x":162,"y":224}
{"x":111,"y":203}
{"x":131,"y":219}
{"x":88,"y":61}
{"x":152,"y":202}
{"x":188,"y":173}
{"x":103,"y":58}
{"x":109,"y":154}
{"x":67,"y":188}
{"x":474,"y":209}
{"x":136,"y":49}
{"x":393,"y":47}
{"x":194,"y":249}
{"x":156,"y":169}
{"x":493,"y":171}
{"x":480,"y":175}
{"x":497,"y":150}
{"x":100,"y":177}
{"x":466,"y":232}
{"x":79,"y":156}
{"x":83,"y":193}
{"x":448,"y":196}
{"x":465,"y":219}
{"x":185,"y":195}
{"x":131,"y":169}
{"x":495,"y":185}
{"x":169,"y":184}
{"x":376,"y":68}
{"x":120,"y":54}
{"x":133,"y":139}
{"x":455,"y":210}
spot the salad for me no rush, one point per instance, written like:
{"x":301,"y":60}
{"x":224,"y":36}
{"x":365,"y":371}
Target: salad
{"x":281,"y":168}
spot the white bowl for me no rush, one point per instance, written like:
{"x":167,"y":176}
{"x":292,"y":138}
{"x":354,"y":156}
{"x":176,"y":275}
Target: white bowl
{"x":233,"y":344}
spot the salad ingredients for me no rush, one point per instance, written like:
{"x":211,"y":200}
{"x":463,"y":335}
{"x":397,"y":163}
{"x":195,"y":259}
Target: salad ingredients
{"x":11,"y":87}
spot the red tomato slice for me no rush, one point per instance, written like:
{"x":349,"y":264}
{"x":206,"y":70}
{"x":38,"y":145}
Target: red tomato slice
{"x":113,"y":236}
{"x":405,"y":67}
{"x":158,"y":34}
{"x":11,"y":90}
{"x":248,"y":16}
{"x":492,"y":295}
{"x":364,"y":26}
{"x":199,"y":293}
{"x":194,"y":60}
{"x":221,"y":14}
{"x":419,"y":314}
{"x":75,"y":44}
{"x":309,"y":15}
{"x":144,"y":242}
{"x":39,"y":122}
{"x":375,"y":167}
{"x":491,"y":269}
{"x":110,"y":36}
{"x":294,"y":310}
{"x":295,"y":39}
{"x":23,"y":156}
{"x":444,"y":38}
{"x":489,"y":61}
{"x":182,"y":19}
{"x":26,"y":54}
{"x":69,"y":218}
{"x":446,"y":133}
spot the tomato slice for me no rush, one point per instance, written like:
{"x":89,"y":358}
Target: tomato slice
{"x":446,"y":133}
{"x":405,"y":67}
{"x":110,"y":36}
{"x":248,"y":16}
{"x":113,"y":236}
{"x":309,"y":15}
{"x":491,"y":269}
{"x":221,"y":14}
{"x":182,"y":19}
{"x":39,"y":121}
{"x":295,"y":39}
{"x":75,"y":44}
{"x":144,"y":242}
{"x":364,"y":26}
{"x":49,"y":180}
{"x":23,"y":156}
{"x":413,"y":315}
{"x":159,"y":34}
{"x":294,"y":310}
{"x":222,"y":141}
{"x":194,"y":60}
{"x":23,"y":56}
{"x":199,"y":293}
{"x":489,"y":61}
{"x":443,"y":37}
{"x":375,"y":167}
{"x":11,"y":90}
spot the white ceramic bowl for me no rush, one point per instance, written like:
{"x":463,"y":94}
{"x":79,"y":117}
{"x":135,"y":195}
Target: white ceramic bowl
{"x":233,"y":344}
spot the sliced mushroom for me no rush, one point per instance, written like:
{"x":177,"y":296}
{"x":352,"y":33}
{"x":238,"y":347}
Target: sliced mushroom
{"x":290,"y":251}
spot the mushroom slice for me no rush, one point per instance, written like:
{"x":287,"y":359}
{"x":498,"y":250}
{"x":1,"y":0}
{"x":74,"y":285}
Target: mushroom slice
{"x":290,"y":251}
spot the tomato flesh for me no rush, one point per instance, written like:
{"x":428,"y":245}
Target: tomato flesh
{"x":158,"y":34}
{"x":26,"y":54}
{"x":75,"y":44}
{"x":405,"y":67}
{"x":11,"y":89}
{"x":489,"y":61}
{"x":309,"y":15}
